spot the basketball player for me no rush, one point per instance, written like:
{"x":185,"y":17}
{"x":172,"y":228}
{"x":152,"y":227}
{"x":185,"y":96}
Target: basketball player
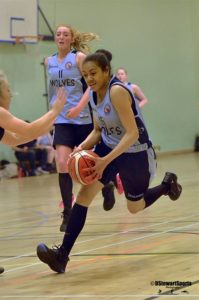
{"x":74,"y":123}
{"x":14,"y":131}
{"x":122,"y":75}
{"x":125,"y":148}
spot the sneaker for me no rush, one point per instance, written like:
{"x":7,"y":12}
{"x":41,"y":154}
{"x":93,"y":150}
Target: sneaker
{"x":42,"y":171}
{"x":32,"y":173}
{"x":1,"y":270}
{"x":175,"y":188}
{"x":55,"y":257}
{"x":65,"y":217}
{"x":109,"y":197}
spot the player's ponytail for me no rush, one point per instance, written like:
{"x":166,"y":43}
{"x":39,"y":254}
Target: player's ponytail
{"x":107,"y":53}
{"x":102,"y":58}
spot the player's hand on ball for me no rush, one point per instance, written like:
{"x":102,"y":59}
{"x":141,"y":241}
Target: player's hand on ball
{"x":75,"y":150}
{"x":98,"y":169}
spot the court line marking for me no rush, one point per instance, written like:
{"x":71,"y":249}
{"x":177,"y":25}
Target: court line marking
{"x":120,"y":233}
{"x":138,"y":238}
{"x":106,"y":246}
{"x":111,"y":235}
{"x":86,"y":296}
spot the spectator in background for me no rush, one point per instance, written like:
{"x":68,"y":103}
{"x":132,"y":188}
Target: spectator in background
{"x":46,"y":142}
{"x":36,"y":158}
{"x":8,"y":169}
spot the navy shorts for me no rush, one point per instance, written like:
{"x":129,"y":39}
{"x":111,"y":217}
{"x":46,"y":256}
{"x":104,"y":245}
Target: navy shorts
{"x":135,"y":169}
{"x":71,"y":135}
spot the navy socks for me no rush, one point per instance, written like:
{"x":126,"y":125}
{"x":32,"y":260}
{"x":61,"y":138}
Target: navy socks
{"x":75,"y":225}
{"x":66,"y":185}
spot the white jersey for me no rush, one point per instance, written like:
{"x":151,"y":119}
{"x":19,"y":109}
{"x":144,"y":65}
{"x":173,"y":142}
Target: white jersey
{"x":112,"y":128}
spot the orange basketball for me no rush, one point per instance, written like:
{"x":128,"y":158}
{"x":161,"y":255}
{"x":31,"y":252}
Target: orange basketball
{"x":77,"y":164}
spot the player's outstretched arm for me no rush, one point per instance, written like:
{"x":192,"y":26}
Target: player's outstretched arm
{"x":18,"y":131}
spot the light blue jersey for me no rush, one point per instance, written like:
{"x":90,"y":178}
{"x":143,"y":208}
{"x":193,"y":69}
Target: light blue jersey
{"x":45,"y":139}
{"x":128,"y":85}
{"x":109,"y":122}
{"x":67,"y":74}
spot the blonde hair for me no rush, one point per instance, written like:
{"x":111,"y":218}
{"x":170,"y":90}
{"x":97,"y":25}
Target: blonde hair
{"x":3,"y":80}
{"x":81,"y":39}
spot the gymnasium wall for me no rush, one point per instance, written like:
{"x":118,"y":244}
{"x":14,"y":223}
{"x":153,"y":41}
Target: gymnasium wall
{"x":155,"y":40}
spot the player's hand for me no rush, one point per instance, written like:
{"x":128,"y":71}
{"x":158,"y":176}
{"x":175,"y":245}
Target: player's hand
{"x":98,"y":169}
{"x":73,"y":112}
{"x":76,"y":149}
{"x":60,"y":100}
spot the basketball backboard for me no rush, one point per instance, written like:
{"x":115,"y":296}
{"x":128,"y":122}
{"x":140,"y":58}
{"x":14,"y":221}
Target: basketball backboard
{"x":18,"y":19}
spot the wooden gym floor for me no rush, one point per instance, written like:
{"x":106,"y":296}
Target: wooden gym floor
{"x":151,"y":255}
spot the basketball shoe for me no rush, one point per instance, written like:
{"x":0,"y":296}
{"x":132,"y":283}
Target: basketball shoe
{"x":175,"y":189}
{"x":41,"y":171}
{"x":65,"y":217}
{"x":108,"y":195}
{"x":65,"y":214}
{"x":56,"y":257}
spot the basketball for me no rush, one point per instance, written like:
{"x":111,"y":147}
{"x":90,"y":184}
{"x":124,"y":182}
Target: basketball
{"x":77,"y":164}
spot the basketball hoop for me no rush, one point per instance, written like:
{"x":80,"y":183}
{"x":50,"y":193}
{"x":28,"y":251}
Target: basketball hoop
{"x":26,"y":39}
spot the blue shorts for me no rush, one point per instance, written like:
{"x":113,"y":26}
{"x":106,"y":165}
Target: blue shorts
{"x":71,"y":135}
{"x":136,"y":170}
